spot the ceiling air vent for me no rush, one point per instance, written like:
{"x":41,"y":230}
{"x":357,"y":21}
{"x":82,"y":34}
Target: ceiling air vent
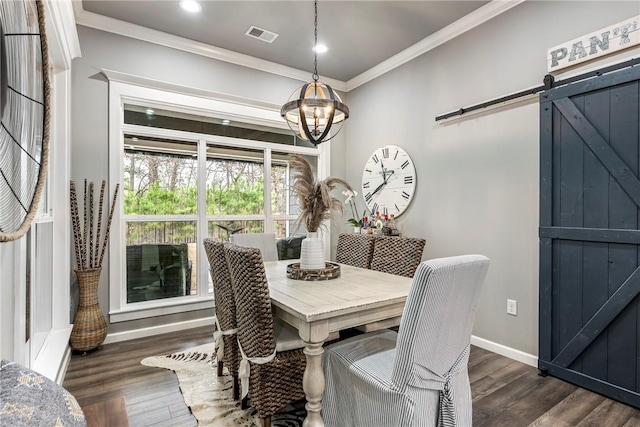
{"x":259,"y":33}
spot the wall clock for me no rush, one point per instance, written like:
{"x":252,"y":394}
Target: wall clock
{"x":24,"y":114}
{"x":388,"y":180}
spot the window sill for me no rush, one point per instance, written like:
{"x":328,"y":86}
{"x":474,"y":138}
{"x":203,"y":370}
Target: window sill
{"x":160,"y":308}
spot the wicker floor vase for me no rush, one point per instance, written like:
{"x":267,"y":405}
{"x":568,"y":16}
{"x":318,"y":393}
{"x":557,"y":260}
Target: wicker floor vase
{"x":89,"y":327}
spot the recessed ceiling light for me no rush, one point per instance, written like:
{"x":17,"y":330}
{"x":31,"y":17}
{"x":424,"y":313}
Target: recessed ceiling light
{"x":320,"y":48}
{"x":134,"y":139}
{"x":149,"y":112}
{"x":190,"y":6}
{"x":225,"y":122}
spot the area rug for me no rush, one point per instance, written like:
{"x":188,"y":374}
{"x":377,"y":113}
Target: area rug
{"x":210,"y":398}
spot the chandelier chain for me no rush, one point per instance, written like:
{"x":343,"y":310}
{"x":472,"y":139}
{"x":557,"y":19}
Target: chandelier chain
{"x":314,"y":108}
{"x":315,"y":43}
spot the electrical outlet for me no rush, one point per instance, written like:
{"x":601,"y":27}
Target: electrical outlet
{"x":512,"y":307}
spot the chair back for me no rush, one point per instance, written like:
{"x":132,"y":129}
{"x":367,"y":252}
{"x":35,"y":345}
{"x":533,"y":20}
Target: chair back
{"x":224,"y":300}
{"x":397,"y":255}
{"x":221,"y":278}
{"x":438,"y":316}
{"x":253,"y":302}
{"x":355,"y":249}
{"x":266,"y":242}
{"x":174,"y":279}
{"x":290,"y":247}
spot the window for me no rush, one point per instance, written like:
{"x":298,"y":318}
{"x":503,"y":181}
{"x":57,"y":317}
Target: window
{"x":188,"y":176}
{"x":40,"y":278}
{"x":235,"y":191}
{"x":160,"y":204}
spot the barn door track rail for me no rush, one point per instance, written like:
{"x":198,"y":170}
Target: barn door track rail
{"x":548,"y":83}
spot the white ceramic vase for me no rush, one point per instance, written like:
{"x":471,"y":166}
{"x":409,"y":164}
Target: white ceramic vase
{"x":356,"y":230}
{"x":312,"y":252}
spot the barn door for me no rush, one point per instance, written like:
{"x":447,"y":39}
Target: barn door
{"x":590,"y":234}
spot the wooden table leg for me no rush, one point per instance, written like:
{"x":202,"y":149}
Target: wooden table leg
{"x":313,"y":384}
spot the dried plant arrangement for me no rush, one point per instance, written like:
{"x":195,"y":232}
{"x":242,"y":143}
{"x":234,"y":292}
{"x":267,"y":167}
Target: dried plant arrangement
{"x":316,"y":202}
{"x":90,"y":248}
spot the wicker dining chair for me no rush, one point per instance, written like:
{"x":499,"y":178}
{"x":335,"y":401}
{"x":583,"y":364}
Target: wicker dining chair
{"x":397,"y":255}
{"x":275,"y":377}
{"x":225,"y":305}
{"x":355,"y":249}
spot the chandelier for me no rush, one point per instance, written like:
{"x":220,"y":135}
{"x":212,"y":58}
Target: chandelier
{"x":314,"y":109}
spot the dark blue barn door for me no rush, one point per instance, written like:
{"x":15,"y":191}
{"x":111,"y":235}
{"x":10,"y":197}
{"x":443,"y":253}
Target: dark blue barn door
{"x":590,"y":234}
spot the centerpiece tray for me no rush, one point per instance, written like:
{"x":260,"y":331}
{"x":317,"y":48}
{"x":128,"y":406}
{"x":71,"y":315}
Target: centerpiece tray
{"x":331,"y":271}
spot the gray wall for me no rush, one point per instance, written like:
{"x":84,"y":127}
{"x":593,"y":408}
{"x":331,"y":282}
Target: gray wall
{"x":89,"y":158}
{"x":477,"y":189}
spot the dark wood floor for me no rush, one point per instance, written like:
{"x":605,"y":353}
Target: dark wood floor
{"x":505,"y":392}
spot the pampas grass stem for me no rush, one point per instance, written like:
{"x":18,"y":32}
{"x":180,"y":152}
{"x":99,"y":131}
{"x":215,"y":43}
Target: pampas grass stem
{"x":316,"y":202}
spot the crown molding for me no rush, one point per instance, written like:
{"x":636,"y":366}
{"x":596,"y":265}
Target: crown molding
{"x":62,"y":35}
{"x":462,"y":25}
{"x":117,"y":76}
{"x":115,"y":26}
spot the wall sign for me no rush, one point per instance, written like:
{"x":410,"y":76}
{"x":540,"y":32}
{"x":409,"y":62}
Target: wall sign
{"x":600,"y":43}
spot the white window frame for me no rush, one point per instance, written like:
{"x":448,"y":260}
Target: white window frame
{"x":49,"y":356}
{"x":134,"y":90}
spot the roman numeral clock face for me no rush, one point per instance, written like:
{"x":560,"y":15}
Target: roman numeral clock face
{"x":388,"y":180}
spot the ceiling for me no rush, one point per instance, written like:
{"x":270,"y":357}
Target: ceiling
{"x":359,"y":34}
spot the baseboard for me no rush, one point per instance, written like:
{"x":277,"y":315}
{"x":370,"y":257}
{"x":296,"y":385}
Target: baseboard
{"x":500,"y":349}
{"x":505,"y":351}
{"x":62,"y":372}
{"x":157,"y":330}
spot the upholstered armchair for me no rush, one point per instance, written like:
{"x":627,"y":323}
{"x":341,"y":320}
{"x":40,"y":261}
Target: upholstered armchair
{"x":417,"y":377}
{"x":163,"y":265}
{"x":290,"y":247}
{"x":29,"y":399}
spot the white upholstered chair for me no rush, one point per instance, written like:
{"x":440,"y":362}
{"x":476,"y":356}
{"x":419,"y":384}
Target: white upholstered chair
{"x":266,"y":242}
{"x":417,"y":377}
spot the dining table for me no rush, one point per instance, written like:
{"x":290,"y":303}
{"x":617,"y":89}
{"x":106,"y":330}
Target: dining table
{"x":317,"y":308}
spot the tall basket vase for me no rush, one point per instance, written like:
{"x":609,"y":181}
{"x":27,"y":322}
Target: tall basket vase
{"x":89,"y":327}
{"x":312,"y":252}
